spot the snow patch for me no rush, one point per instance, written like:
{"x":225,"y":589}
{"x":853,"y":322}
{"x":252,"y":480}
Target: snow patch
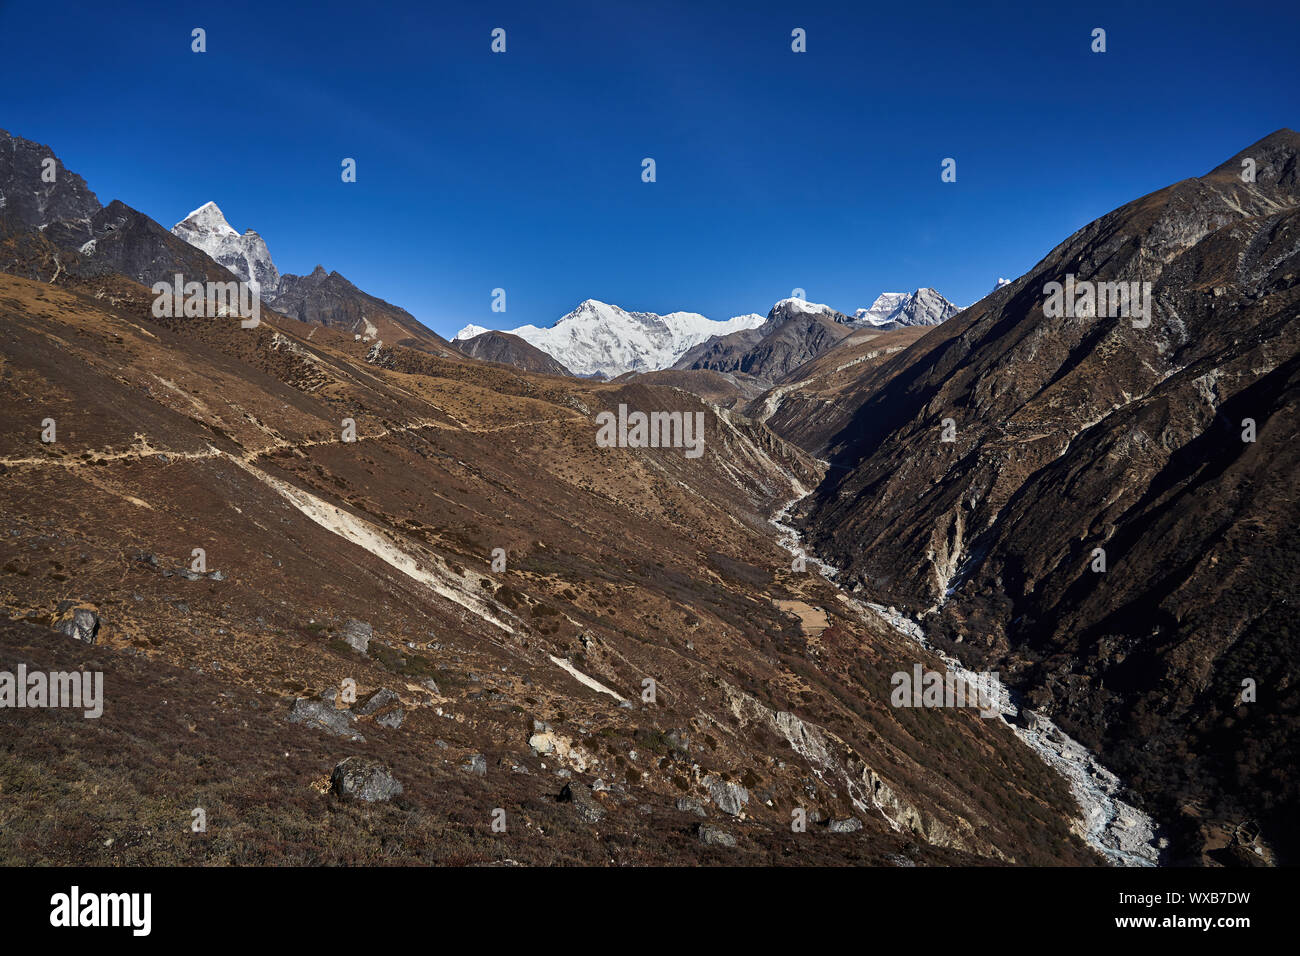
{"x":370,"y":537}
{"x":582,"y":678}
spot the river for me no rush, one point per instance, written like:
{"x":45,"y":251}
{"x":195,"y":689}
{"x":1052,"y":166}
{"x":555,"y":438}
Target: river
{"x":1123,"y":834}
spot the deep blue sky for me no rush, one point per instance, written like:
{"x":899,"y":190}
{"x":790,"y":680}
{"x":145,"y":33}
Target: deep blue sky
{"x":776,"y":170}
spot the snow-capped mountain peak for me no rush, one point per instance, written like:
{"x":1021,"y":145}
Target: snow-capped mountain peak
{"x":469,"y":332}
{"x":879,"y":312}
{"x":208,"y":219}
{"x":792,"y":305}
{"x":897,"y":309}
{"x":245,"y":255}
{"x":601,"y":339}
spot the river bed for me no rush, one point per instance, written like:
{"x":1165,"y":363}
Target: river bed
{"x":1123,"y":834}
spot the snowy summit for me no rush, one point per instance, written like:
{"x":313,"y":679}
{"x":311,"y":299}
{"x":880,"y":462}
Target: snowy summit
{"x":245,"y":255}
{"x":599,"y":339}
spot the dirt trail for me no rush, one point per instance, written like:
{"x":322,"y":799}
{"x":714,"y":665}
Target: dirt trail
{"x":143,"y":449}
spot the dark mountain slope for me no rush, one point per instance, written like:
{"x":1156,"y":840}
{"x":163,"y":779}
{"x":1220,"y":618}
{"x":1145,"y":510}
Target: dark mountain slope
{"x":327,"y":298}
{"x":27,"y":194}
{"x":794,"y":333}
{"x":1073,"y":434}
{"x":811,"y":405}
{"x":126,"y":241}
{"x":506,"y":349}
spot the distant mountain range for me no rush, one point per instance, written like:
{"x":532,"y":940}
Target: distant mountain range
{"x":604,"y":341}
{"x":601,"y":340}
{"x":62,"y":221}
{"x":597,"y":339}
{"x":321,"y":298}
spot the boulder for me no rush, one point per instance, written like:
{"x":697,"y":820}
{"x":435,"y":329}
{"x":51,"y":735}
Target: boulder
{"x":731,"y":798}
{"x":712,"y":836}
{"x":851,"y":825}
{"x":678,"y":741}
{"x":323,"y":715}
{"x":583,"y":802}
{"x":477,"y":764}
{"x":360,"y":778}
{"x":78,"y":621}
{"x":375,"y":702}
{"x":357,"y":634}
{"x":690,"y":805}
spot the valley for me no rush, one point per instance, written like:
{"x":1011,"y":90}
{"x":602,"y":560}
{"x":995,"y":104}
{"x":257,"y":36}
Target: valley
{"x":641,"y":597}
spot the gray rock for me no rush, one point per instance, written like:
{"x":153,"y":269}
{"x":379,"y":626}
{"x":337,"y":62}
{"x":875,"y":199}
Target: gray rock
{"x":851,"y":825}
{"x":678,"y":741}
{"x":361,"y":778}
{"x":375,"y":701}
{"x":477,"y":764}
{"x":690,"y":805}
{"x":432,"y":685}
{"x":79,"y":622}
{"x":392,"y":718}
{"x":583,"y":802}
{"x":731,"y":798}
{"x":357,"y":634}
{"x":216,"y":576}
{"x":712,"y":836}
{"x":322,"y":715}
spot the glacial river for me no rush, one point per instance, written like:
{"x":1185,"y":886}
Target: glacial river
{"x":1123,"y":834}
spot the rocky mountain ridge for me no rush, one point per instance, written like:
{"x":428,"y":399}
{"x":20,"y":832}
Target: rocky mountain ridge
{"x":1102,"y":507}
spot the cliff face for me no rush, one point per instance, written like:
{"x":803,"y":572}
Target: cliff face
{"x":37,"y":191}
{"x":1169,"y":446}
